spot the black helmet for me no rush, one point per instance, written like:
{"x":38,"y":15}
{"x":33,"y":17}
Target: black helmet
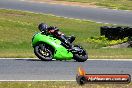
{"x":42,"y":27}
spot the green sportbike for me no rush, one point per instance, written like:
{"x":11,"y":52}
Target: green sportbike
{"x":47,"y":47}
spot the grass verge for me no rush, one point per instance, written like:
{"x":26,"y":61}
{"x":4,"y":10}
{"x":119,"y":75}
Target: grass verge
{"x":56,"y":84}
{"x":17,"y":29}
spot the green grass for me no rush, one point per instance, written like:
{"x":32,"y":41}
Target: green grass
{"x":114,"y":4}
{"x":17,"y":29}
{"x":52,"y":84}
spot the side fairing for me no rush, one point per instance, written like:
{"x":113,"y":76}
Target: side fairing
{"x":38,"y":37}
{"x":60,"y":52}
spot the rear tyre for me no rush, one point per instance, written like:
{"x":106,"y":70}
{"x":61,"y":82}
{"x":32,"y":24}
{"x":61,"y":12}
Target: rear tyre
{"x":43,"y":52}
{"x":81,"y":57}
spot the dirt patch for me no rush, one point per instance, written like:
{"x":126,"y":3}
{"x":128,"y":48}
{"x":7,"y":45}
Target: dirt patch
{"x":67,"y":3}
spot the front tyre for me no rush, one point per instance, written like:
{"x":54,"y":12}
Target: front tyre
{"x":43,"y":52}
{"x":81,"y":57}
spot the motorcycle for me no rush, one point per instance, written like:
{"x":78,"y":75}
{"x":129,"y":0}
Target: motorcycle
{"x":47,"y":47}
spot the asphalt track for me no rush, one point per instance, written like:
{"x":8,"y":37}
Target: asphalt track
{"x":34,"y":69}
{"x":94,"y":14}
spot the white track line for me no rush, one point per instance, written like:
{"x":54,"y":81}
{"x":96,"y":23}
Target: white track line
{"x":22,"y":0}
{"x":88,"y":59}
{"x":110,"y":59}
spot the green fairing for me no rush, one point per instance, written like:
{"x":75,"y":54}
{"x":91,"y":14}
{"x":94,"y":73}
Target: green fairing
{"x":60,"y":53}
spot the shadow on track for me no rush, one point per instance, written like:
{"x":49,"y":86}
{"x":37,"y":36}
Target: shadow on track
{"x":47,"y":61}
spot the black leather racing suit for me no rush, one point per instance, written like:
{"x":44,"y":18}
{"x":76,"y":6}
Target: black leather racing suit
{"x":59,"y":35}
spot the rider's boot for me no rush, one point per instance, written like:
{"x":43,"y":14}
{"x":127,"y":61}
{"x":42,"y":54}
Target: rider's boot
{"x":71,"y":39}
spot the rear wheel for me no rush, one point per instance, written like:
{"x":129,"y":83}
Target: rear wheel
{"x":80,"y":56}
{"x":43,"y":52}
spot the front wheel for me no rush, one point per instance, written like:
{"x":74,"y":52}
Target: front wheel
{"x":43,"y":52}
{"x":80,"y":56}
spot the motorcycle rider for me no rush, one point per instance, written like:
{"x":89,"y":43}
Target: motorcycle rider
{"x":55,"y":31}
